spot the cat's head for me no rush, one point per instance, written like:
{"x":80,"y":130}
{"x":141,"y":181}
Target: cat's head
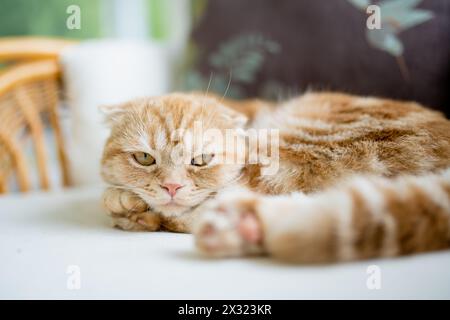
{"x":156,"y":149}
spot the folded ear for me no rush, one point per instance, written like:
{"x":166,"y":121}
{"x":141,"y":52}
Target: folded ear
{"x":113,"y":113}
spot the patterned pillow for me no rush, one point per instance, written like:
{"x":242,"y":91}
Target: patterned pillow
{"x":279,"y":48}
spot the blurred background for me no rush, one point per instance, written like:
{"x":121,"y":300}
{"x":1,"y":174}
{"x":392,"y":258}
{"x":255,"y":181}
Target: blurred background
{"x":110,"y":51}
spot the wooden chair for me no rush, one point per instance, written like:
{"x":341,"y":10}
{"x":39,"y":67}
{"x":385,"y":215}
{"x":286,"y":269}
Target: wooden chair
{"x":29,"y":99}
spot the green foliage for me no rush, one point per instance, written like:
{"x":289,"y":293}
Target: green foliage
{"x":244,"y":55}
{"x":48,"y":18}
{"x":235,"y":63}
{"x":159,"y":22}
{"x":396,"y":17}
{"x":386,"y":40}
{"x":402,"y":14}
{"x":360,"y":4}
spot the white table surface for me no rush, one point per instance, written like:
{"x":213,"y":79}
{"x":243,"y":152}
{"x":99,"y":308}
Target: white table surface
{"x":42,"y":234}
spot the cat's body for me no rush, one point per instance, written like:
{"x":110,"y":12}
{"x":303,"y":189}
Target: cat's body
{"x":325,"y":137}
{"x":325,"y":140}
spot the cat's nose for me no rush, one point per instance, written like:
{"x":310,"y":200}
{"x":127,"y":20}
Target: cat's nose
{"x":171,"y":188}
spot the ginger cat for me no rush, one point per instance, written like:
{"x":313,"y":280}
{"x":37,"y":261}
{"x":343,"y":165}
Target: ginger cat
{"x":356,"y":177}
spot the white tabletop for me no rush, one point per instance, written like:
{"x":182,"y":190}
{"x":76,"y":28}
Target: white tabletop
{"x":48,"y":239}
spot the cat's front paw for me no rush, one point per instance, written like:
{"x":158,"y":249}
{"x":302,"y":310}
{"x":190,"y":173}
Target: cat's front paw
{"x":230,"y":227}
{"x":129,"y":212}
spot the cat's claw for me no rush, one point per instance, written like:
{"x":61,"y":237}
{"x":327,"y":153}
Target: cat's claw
{"x":230,"y":227}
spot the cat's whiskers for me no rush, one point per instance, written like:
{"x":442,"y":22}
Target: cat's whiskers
{"x":228,"y":85}
{"x":209,"y":84}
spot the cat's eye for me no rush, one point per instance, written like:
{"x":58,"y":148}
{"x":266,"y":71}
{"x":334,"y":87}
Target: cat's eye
{"x":143,"y":158}
{"x":202,"y":160}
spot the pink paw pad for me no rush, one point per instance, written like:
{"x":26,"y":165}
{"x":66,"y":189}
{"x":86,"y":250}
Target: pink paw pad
{"x":249,"y":228}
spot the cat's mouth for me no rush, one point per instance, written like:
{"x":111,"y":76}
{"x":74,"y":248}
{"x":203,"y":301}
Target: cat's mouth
{"x":172,"y":203}
{"x":173,"y":207}
{"x":163,"y":205}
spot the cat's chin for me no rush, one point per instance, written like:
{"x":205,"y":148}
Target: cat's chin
{"x":172,"y":208}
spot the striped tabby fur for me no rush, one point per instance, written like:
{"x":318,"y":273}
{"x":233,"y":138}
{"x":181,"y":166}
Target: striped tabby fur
{"x":358,"y":177}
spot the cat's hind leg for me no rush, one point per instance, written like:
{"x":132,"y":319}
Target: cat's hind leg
{"x":128,"y":211}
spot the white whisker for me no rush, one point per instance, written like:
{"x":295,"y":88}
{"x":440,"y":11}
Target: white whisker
{"x":207,"y":88}
{"x":228,"y":85}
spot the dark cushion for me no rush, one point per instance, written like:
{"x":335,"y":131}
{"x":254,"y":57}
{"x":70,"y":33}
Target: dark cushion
{"x":289,"y":46}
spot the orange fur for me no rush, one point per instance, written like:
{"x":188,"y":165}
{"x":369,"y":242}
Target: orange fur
{"x":325,"y":138}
